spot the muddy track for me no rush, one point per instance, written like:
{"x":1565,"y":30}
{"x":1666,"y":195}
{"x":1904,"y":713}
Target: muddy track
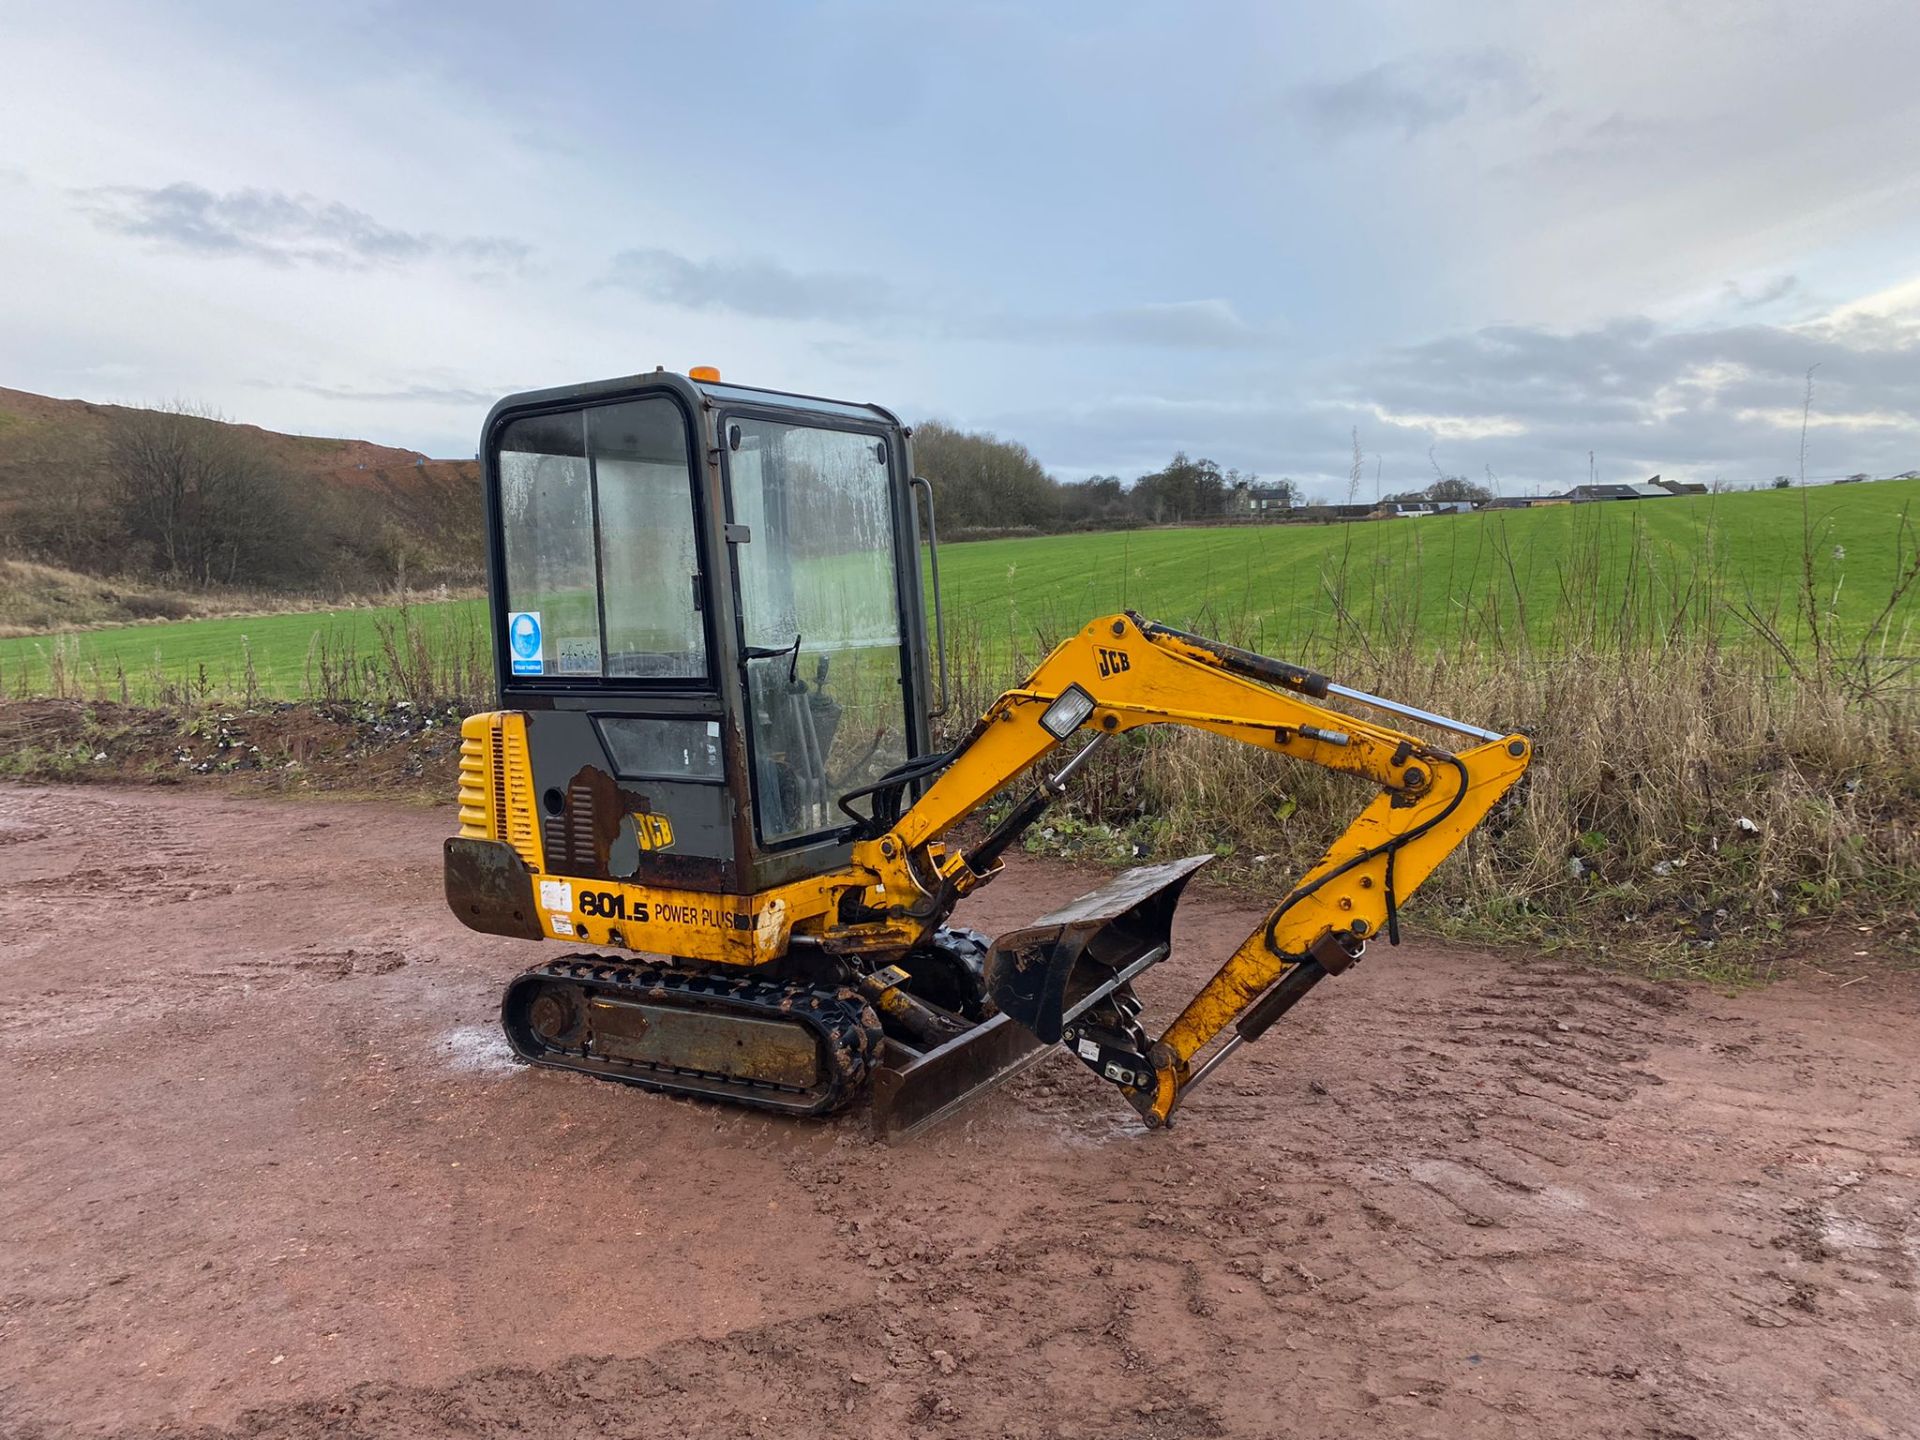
{"x":265,"y":1170}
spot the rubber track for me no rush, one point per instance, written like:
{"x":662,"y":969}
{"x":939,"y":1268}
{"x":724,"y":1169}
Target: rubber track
{"x":841,"y":1018}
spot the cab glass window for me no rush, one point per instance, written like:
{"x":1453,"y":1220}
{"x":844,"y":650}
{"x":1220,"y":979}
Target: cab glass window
{"x":597,"y":522}
{"x":820,"y":616}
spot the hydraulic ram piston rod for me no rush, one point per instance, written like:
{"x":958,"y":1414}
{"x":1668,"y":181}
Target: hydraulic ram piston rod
{"x":1425,"y":717}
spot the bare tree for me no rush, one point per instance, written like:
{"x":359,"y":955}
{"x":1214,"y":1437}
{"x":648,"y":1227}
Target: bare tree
{"x":1458,"y":487}
{"x":204,"y":503}
{"x":980,"y":480}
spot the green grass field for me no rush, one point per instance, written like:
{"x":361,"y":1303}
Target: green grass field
{"x":286,"y":651}
{"x":1431,"y":578}
{"x":1563,"y":571}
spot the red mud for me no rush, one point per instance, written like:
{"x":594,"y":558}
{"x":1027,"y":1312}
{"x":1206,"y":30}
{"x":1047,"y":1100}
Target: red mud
{"x":266,"y":1170}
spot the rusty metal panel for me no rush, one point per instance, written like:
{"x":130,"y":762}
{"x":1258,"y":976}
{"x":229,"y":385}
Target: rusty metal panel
{"x":770,"y":1052}
{"x":490,"y":889}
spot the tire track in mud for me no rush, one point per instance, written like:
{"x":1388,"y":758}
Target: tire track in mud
{"x":1826,"y":1212}
{"x":1285,"y":1216}
{"x":1462,"y":1157}
{"x":1539,"y":1059}
{"x":138,"y":865}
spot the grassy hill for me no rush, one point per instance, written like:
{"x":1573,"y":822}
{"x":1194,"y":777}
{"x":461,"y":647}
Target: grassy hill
{"x":372,"y":511}
{"x":38,"y":430}
{"x":1553,"y":575}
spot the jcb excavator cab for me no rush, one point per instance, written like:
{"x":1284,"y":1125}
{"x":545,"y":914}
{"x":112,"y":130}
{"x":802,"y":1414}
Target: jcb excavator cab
{"x":706,"y":599}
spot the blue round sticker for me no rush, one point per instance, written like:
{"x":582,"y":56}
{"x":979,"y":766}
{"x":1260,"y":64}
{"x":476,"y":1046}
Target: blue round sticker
{"x":523,"y":638}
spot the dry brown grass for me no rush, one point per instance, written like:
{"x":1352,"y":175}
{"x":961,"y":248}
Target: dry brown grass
{"x":37,"y":599}
{"x":446,"y":665}
{"x":1690,"y":799}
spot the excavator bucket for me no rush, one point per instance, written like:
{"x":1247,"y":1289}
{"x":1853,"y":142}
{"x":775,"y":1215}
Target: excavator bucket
{"x":1042,"y":976}
{"x":1030,"y":971}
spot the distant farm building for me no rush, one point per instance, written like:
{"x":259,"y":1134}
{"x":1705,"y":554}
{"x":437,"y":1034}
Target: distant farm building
{"x":1274,"y":501}
{"x":1333,"y":512}
{"x":1653,"y":489}
{"x":1584,"y":494}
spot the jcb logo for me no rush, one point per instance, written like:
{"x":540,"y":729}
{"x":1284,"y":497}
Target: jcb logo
{"x":652,"y":832}
{"x":1112,"y":662}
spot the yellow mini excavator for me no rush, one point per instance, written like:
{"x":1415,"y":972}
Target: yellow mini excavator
{"x":714,"y":764}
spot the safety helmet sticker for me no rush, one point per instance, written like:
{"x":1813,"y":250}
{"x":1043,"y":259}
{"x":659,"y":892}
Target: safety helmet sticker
{"x":523,"y":642}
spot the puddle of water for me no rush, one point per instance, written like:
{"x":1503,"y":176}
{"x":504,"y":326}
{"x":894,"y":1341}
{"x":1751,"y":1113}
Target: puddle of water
{"x":479,"y":1049}
{"x":1846,"y":1232}
{"x":1082,"y":1131}
{"x":1560,"y":1197}
{"x":1910,"y":1242}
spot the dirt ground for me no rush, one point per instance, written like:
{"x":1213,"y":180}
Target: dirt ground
{"x":266,"y":1170}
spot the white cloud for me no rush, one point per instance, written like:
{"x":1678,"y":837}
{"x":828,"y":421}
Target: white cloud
{"x":281,"y":229}
{"x":1414,"y":94}
{"x":765,"y":289}
{"x":1791,"y":417}
{"x":755,"y":286}
{"x":1200,"y":324}
{"x":1452,"y":427}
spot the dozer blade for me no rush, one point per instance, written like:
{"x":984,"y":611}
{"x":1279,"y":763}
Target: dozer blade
{"x":1042,"y":976}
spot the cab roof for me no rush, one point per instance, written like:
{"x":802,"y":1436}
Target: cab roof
{"x":704,"y":393}
{"x":729,"y":396}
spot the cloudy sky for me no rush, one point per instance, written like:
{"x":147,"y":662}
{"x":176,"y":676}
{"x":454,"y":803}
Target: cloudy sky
{"x":1501,"y":235}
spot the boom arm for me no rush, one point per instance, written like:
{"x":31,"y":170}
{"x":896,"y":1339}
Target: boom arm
{"x":1130,"y":673}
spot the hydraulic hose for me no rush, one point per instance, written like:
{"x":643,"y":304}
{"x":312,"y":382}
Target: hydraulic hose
{"x":1387,"y":848}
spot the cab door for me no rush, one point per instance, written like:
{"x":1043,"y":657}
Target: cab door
{"x":816,"y":519}
{"x":605,"y":639}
